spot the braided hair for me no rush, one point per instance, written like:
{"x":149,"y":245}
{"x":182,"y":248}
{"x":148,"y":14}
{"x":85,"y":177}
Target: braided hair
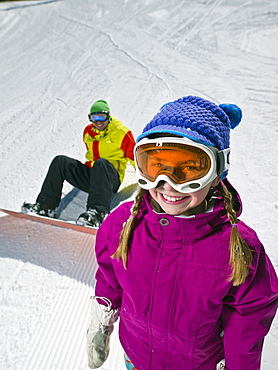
{"x":240,"y":253}
{"x":122,"y":251}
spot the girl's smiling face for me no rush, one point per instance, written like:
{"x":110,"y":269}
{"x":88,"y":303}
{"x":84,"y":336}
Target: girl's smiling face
{"x":175,"y":203}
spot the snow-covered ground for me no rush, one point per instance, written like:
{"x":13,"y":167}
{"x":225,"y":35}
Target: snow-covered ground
{"x":57,"y":57}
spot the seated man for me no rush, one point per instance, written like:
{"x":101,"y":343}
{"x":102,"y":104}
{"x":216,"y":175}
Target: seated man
{"x":109,"y":147}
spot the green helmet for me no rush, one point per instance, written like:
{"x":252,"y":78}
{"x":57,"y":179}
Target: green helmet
{"x":100,"y":106}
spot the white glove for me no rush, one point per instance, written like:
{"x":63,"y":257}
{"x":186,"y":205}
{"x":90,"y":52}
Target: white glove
{"x":221,"y":365}
{"x":99,"y":331}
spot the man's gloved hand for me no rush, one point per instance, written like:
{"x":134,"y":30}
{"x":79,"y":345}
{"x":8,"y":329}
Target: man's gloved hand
{"x":99,"y":331}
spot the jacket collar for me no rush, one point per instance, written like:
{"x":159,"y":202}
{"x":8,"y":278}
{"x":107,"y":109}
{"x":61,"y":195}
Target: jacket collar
{"x":191,"y":228}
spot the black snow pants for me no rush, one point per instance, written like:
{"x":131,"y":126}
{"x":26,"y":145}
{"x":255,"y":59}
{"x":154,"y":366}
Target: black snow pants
{"x":100,"y":182}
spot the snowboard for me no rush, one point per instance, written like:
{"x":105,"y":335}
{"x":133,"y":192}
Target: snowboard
{"x":72,"y":205}
{"x":52,"y":221}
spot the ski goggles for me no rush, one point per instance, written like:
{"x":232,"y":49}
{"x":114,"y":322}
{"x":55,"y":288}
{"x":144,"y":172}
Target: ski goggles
{"x":95,"y":117}
{"x":186,"y":165}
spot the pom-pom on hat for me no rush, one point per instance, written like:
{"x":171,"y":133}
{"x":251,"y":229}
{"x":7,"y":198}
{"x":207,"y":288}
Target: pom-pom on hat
{"x":100,"y":106}
{"x":197,"y":119}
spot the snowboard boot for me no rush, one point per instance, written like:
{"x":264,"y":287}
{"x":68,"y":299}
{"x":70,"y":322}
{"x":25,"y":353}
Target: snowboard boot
{"x":39,"y":209}
{"x":92,"y":217}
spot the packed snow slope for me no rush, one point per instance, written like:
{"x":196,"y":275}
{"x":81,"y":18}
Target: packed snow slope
{"x":57,"y":57}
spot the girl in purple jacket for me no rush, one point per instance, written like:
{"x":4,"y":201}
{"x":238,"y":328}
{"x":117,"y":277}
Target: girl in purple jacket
{"x":192,"y":284}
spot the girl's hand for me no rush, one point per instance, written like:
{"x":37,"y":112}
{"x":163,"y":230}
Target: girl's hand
{"x":99,"y":331}
{"x":221,"y":365}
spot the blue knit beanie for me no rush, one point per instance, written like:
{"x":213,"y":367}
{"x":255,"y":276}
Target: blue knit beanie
{"x":197,"y":119}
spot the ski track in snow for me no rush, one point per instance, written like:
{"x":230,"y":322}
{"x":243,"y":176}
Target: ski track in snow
{"x":57,"y":58}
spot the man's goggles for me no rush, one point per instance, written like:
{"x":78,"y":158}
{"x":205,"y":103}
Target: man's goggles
{"x":185,"y":164}
{"x":95,"y":117}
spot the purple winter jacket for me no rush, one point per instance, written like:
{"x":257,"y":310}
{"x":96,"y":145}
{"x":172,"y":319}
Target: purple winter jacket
{"x":178,"y":310}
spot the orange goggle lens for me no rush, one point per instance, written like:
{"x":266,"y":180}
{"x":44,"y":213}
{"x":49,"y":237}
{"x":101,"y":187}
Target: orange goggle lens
{"x":180,"y":162}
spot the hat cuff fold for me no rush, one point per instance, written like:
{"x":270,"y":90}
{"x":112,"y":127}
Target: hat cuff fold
{"x":180,"y":131}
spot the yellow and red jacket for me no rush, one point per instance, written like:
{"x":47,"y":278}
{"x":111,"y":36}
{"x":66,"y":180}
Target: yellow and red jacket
{"x":115,"y":144}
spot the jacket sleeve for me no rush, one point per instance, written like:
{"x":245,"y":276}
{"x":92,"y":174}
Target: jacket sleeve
{"x":127,"y":146}
{"x":248,"y":313}
{"x":107,"y":284}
